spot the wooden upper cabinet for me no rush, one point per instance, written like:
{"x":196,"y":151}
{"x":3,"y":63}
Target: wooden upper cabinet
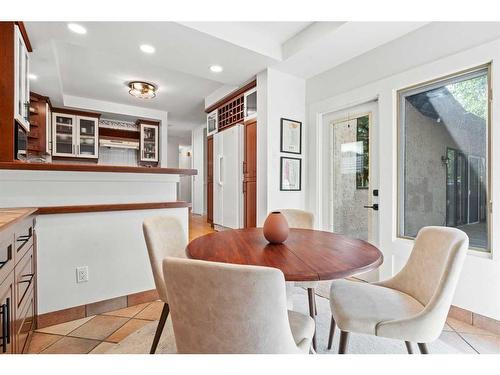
{"x":149,"y":141}
{"x":21,"y":81}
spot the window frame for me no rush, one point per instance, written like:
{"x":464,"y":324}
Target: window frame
{"x":401,"y":94}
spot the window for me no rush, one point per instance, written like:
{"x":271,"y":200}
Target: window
{"x":444,"y":156}
{"x":362,"y":161}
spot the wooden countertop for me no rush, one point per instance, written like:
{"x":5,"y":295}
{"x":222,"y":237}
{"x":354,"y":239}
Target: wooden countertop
{"x":10,"y":216}
{"x":94,"y":168}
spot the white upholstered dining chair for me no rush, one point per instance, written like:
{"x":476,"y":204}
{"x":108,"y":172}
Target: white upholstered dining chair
{"x":412,"y":305}
{"x":164,"y":237}
{"x":303,"y":220}
{"x":228,"y":308}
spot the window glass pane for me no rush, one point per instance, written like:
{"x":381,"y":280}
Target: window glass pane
{"x":362,"y":161}
{"x":444,"y":157}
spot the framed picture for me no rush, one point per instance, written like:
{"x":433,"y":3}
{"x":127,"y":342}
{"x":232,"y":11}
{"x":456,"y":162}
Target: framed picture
{"x":291,"y":136}
{"x":290,"y":174}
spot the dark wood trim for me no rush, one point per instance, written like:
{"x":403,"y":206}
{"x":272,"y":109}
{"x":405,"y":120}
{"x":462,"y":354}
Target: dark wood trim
{"x":148,"y":122}
{"x":7,"y":128}
{"x":76,"y":112}
{"x":93,"y":168}
{"x":24,"y":34}
{"x":231,"y":96}
{"x":111,"y":133}
{"x":51,"y":210}
{"x":79,"y":312}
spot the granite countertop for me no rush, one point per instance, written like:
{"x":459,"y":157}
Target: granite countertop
{"x":9,"y":216}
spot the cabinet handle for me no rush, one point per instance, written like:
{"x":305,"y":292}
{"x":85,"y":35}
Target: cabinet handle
{"x":5,"y":314}
{"x":9,"y":257}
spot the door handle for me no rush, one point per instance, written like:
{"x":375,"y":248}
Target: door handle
{"x":220,"y":170}
{"x":373,"y":207}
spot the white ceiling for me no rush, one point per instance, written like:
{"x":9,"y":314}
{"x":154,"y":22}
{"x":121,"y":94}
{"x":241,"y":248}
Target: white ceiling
{"x":97,"y":65}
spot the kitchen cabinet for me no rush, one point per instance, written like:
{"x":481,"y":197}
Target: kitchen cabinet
{"x":250,"y":104}
{"x":17,"y":279}
{"x":21,"y":81}
{"x":75,"y":136}
{"x":212,"y":123}
{"x":149,"y":150}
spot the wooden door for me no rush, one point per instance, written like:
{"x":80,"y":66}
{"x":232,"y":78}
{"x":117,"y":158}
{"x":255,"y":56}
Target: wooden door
{"x":210,"y":179}
{"x":250,"y":175}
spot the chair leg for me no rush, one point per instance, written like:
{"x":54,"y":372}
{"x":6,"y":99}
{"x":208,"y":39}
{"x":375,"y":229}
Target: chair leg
{"x":159,"y":329}
{"x":332,"y":332}
{"x":310,"y":294}
{"x":409,"y":347}
{"x":344,"y":340}
{"x":423,"y":348}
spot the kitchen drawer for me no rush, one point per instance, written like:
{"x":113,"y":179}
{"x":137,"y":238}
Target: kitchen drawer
{"x":24,"y":278}
{"x":6,"y":254}
{"x":25,"y":323}
{"x":24,"y":233}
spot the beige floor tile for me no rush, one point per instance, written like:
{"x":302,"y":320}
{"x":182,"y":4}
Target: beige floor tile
{"x":463,"y":327}
{"x":484,"y":344}
{"x":40,"y":341}
{"x":128,"y":312}
{"x":454,"y":340}
{"x":71,"y":345}
{"x":128,"y":328}
{"x":65,"y":328}
{"x":102,"y":348}
{"x":99,"y":328}
{"x":152,"y":312}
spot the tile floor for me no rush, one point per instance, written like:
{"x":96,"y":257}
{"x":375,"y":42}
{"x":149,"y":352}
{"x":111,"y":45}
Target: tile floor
{"x":99,"y":333}
{"x":96,"y":334}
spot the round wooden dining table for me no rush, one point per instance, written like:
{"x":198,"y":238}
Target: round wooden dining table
{"x":306,"y":255}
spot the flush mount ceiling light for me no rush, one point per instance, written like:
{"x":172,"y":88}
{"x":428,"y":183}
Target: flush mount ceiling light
{"x":143,"y":90}
{"x":146,"y":48}
{"x":216,"y":68}
{"x":76,"y":28}
{"x":32,"y":76}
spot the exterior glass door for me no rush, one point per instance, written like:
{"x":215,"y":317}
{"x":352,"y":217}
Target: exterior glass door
{"x":350,"y":177}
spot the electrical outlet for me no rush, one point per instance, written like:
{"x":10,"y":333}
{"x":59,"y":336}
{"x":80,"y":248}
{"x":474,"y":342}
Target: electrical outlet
{"x":82,"y":274}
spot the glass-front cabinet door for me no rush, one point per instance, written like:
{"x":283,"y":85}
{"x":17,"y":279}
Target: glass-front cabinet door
{"x":149,"y":142}
{"x":21,"y":79}
{"x":63,"y":133}
{"x":87,"y":137}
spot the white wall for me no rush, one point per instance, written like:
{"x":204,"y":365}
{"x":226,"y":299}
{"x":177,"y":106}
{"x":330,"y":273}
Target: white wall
{"x":278,"y":95}
{"x":111,"y":244}
{"x":479,"y":286}
{"x":198,"y":162}
{"x":185,"y":181}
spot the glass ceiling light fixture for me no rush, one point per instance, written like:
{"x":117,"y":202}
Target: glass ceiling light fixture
{"x":142,"y":90}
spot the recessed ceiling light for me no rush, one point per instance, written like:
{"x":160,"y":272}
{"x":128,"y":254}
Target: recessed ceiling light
{"x":33,"y":77}
{"x":146,"y":48}
{"x":76,"y":28}
{"x":216,"y":68}
{"x":142,"y":90}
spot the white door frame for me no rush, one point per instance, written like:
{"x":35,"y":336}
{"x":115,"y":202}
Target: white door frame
{"x":324,"y":177}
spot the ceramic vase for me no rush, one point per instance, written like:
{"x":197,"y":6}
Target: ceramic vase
{"x":276,"y":228}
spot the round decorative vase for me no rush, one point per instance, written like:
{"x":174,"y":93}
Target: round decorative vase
{"x":276,"y":228}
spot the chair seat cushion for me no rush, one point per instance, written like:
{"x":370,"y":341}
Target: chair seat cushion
{"x":302,"y":327}
{"x":360,"y":307}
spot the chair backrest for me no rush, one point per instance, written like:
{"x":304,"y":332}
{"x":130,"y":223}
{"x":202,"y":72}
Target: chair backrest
{"x":227,"y":308}
{"x":298,"y":218}
{"x":164,"y":237}
{"x":434,"y":266}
